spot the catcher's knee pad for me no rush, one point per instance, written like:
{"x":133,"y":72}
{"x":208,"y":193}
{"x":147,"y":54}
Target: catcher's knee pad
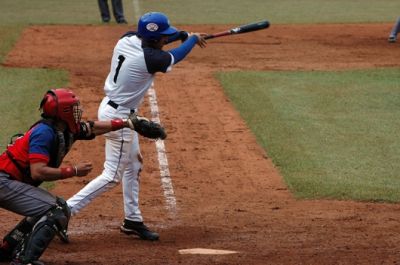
{"x":54,"y":221}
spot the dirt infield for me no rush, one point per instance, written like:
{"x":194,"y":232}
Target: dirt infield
{"x":228,"y":194}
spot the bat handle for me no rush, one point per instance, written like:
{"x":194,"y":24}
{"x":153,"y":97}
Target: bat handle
{"x":219,"y":34}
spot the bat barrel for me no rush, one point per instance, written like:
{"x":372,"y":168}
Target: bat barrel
{"x":251,"y":27}
{"x":241,"y":29}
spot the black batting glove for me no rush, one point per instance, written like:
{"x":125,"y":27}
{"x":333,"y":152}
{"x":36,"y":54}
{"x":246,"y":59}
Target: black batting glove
{"x":183,"y":35}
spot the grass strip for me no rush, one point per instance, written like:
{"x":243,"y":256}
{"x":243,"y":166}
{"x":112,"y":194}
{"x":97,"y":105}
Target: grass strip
{"x":21,"y":91}
{"x":332,"y":134}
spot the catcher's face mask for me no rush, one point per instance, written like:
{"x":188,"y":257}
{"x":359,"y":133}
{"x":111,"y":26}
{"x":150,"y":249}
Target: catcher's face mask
{"x":62,"y":104}
{"x":77,"y":110}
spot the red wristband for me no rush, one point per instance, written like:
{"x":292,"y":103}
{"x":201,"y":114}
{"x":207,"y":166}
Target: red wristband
{"x":67,"y":172}
{"x":117,"y":124}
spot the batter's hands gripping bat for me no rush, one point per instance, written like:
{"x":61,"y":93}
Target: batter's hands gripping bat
{"x":241,"y":29}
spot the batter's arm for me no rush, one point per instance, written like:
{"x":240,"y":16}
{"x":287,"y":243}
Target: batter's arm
{"x":184,"y":49}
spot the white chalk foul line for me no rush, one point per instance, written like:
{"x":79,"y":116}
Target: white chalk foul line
{"x":166,"y":180}
{"x":206,"y":251}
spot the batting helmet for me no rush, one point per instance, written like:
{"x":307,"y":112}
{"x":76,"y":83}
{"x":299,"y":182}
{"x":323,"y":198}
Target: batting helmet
{"x":153,"y":25}
{"x":62,"y":104}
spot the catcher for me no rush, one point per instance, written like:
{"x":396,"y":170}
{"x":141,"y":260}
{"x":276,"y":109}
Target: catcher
{"x":137,"y":58}
{"x":35,"y":157}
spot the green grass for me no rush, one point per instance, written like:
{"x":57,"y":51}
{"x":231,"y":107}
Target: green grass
{"x":332,"y":134}
{"x":278,"y":12}
{"x":14,"y":12}
{"x":21,"y":89}
{"x":21,"y":92}
{"x":205,"y":11}
{"x":8,"y":36}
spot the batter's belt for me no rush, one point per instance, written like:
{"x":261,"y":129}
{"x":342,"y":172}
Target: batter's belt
{"x":115,"y":105}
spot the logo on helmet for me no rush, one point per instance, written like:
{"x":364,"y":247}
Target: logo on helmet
{"x":152,"y":27}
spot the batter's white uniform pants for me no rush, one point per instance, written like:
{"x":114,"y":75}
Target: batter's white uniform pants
{"x":122,"y":153}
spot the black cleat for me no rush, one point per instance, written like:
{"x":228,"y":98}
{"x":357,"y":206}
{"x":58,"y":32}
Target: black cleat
{"x":5,"y":254}
{"x":139,"y":229}
{"x":122,"y":21}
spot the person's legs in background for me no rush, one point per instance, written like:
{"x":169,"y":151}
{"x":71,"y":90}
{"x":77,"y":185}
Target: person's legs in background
{"x":395,"y":31}
{"x":104,"y":10}
{"x":118,"y":11}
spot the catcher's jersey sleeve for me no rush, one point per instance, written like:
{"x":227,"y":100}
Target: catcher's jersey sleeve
{"x":41,"y":140}
{"x":33,"y":147}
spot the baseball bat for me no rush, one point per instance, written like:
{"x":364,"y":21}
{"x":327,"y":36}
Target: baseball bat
{"x":241,"y":29}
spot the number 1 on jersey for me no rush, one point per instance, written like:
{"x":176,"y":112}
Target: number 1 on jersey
{"x":121,"y":59}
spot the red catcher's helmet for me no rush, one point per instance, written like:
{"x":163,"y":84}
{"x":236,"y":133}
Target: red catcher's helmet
{"x":62,"y":104}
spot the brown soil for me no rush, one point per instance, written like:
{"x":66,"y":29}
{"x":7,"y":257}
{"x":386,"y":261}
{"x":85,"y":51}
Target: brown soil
{"x":228,"y":193}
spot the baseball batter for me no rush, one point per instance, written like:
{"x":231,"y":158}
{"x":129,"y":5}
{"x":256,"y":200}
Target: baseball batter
{"x":137,"y":57}
{"x":35,"y":157}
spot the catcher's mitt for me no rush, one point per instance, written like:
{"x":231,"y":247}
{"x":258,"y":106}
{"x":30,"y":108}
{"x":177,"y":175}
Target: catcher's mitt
{"x":146,"y":128}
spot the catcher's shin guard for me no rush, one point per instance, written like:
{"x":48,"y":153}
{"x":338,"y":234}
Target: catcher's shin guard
{"x":43,"y":232}
{"x":15,"y":238}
